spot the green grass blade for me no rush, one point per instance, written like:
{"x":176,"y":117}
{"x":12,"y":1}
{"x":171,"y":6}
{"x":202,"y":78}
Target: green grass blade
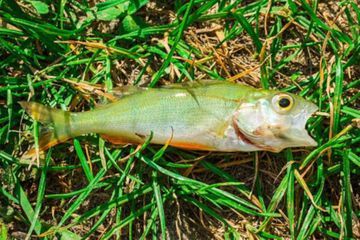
{"x":167,"y":61}
{"x":40,"y":195}
{"x":27,"y":208}
{"x":339,"y":78}
{"x":290,"y":193}
{"x":160,"y":205}
{"x":347,"y":195}
{"x":83,"y":161}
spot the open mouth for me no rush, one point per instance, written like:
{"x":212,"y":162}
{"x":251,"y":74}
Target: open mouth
{"x":300,"y":135}
{"x":295,"y":136}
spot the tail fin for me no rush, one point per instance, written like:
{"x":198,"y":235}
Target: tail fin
{"x":56,"y":125}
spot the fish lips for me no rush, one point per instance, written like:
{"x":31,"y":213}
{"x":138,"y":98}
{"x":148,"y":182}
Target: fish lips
{"x":299,"y":136}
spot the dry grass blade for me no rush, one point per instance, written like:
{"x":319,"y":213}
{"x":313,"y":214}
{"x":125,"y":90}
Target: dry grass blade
{"x":74,"y":55}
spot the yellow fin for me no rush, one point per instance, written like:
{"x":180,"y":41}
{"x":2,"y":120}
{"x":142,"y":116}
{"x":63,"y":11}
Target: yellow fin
{"x":190,"y":146}
{"x":118,"y":140}
{"x":57,"y":125}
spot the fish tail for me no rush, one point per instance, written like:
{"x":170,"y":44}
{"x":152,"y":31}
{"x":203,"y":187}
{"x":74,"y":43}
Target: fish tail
{"x":56,"y":125}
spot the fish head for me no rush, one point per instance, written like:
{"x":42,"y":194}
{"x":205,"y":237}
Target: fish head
{"x":273,"y":120}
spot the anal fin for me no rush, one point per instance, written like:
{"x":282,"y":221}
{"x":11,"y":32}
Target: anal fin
{"x":191,"y":146}
{"x":118,"y":140}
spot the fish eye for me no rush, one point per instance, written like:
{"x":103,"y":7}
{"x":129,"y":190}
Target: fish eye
{"x":282,"y":102}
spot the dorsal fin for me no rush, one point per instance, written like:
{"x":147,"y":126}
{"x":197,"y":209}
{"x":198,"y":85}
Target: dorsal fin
{"x":123,"y":91}
{"x":127,"y":90}
{"x":193,"y":84}
{"x":191,"y":87}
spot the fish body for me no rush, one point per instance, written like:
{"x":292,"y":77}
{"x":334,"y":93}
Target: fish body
{"x":212,"y":116}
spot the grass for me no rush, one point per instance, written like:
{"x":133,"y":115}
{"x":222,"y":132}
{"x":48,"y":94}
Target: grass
{"x":71,"y":54}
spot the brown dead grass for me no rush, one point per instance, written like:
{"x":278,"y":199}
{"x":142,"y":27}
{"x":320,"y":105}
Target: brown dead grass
{"x":233,"y":57}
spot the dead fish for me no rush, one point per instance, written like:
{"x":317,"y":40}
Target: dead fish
{"x":209,"y":115}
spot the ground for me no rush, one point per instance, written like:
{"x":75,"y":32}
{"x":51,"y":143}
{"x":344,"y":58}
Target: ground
{"x":75,"y":55}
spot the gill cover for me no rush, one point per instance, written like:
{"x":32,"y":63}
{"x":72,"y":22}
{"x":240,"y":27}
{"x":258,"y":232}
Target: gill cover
{"x":273,"y":120}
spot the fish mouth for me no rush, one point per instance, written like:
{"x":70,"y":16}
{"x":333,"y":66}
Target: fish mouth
{"x":289,"y":131}
{"x":299,"y":135}
{"x":295,"y":135}
{"x":302,"y":139}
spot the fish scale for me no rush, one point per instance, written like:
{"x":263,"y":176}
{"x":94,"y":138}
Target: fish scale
{"x":173,"y":113}
{"x":207,"y":115}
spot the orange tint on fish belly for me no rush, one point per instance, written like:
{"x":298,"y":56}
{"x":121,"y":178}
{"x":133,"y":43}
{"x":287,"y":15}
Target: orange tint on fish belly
{"x":183,"y":145}
{"x":118,"y":140}
{"x":191,"y":146}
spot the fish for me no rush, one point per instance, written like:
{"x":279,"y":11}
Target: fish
{"x":201,"y":115}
